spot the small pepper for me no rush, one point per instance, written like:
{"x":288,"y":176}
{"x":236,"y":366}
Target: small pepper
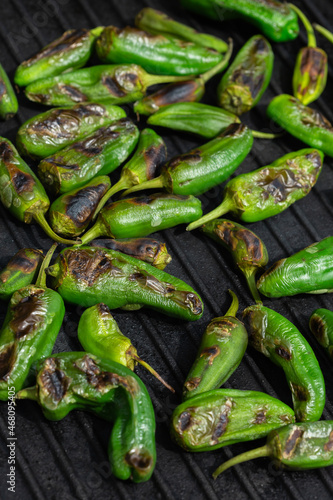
{"x":98,"y":154}
{"x":88,"y":275}
{"x":269,"y":190}
{"x":222,"y":417}
{"x":308,"y":271}
{"x":295,"y":446}
{"x":8,"y":99}
{"x":20,"y":271}
{"x":278,"y":339}
{"x":248,"y":251}
{"x":321,"y":325}
{"x":44,"y":134}
{"x":221,"y":350}
{"x":71,"y":51}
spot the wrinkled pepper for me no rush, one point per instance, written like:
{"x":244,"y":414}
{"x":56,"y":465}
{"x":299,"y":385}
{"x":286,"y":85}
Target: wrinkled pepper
{"x":20,"y":271}
{"x":321,"y":325}
{"x":8,"y":99}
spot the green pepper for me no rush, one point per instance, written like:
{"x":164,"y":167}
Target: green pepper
{"x":71,"y":213}
{"x":98,"y":154}
{"x":204,"y":167}
{"x":302,"y":122}
{"x":87,"y":276}
{"x":308,"y":271}
{"x":321,"y":325}
{"x":115,"y":83}
{"x":156,"y":22}
{"x":77,"y":380}
{"x":248,"y":251}
{"x":8,"y":99}
{"x":21,"y":192}
{"x":30,"y":329}
{"x":221,"y":350}
{"x":222,"y":417}
{"x":295,"y":446}
{"x":44,"y":134}
{"x":277,"y":338}
{"x":275,"y":19}
{"x":20,"y":271}
{"x":141,"y":216}
{"x":247,"y":78}
{"x":269,"y":190}
{"x":70,"y":51}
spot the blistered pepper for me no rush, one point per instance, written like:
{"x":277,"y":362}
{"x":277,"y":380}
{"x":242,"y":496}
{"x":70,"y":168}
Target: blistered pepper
{"x":321,"y":325}
{"x":8,"y":99}
{"x":20,"y":271}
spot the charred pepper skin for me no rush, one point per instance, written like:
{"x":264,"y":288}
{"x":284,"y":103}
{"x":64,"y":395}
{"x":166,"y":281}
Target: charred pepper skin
{"x":20,"y":271}
{"x":87,"y":276}
{"x":76,"y":380}
{"x":222,"y":417}
{"x":308,"y":271}
{"x":277,"y":338}
{"x":321,"y":326}
{"x":8,"y":99}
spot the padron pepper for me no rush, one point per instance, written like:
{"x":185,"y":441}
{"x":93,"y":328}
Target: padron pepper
{"x":32,"y":323}
{"x":20,"y":271}
{"x":8,"y":99}
{"x":68,"y":52}
{"x":222,"y":417}
{"x":87,"y":275}
{"x":98,"y":154}
{"x":308,"y":271}
{"x":248,"y":251}
{"x":269,"y":190}
{"x":221,"y":350}
{"x":21,"y":192}
{"x":44,"y":134}
{"x":321,"y":325}
{"x":296,"y":446}
{"x":277,"y":338}
{"x":76,"y":380}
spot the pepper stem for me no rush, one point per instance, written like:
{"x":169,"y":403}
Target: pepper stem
{"x":40,"y":219}
{"x":149,"y":79}
{"x":243,"y":457}
{"x":323,"y":31}
{"x":41,"y":278}
{"x":151,"y":370}
{"x":265,"y":135}
{"x":250,"y":278}
{"x":152,"y":184}
{"x":307,"y":25}
{"x":220,"y":66}
{"x":222,"y":209}
{"x":28,"y":393}
{"x":121,"y":184}
{"x":97,"y":31}
{"x":92,"y":234}
{"x":232,"y":311}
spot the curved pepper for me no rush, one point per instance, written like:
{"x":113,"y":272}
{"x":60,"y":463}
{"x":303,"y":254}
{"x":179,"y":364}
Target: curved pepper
{"x":8,"y":99}
{"x":321,"y":325}
{"x":20,"y":271}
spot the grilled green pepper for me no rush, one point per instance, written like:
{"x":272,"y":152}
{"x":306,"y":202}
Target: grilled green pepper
{"x":87,"y":276}
{"x":321,"y":325}
{"x":295,"y":446}
{"x":20,"y":271}
{"x":277,"y":338}
{"x":221,"y":350}
{"x":269,"y":190}
{"x":98,"y":154}
{"x":222,"y":417}
{"x":8,"y":99}
{"x":77,"y":380}
{"x":308,"y":271}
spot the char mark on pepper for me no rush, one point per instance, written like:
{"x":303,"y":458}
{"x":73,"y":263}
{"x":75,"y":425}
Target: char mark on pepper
{"x":279,"y":185}
{"x":89,"y":267}
{"x":80,"y":207}
{"x":53,"y":380}
{"x":7,"y":360}
{"x":292,"y":442}
{"x":113,"y":86}
{"x":329,"y":445}
{"x":283,"y":353}
{"x":28,"y":314}
{"x":184,"y":421}
{"x":23,"y":264}
{"x":3,"y":88}
{"x":75,"y":94}
{"x":155,"y":155}
{"x":211,"y":353}
{"x":139,"y":460}
{"x":300,"y":392}
{"x":260,"y":416}
{"x":62,"y":44}
{"x":253,"y":245}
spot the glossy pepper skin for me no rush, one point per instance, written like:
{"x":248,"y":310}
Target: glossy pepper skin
{"x":204,"y":167}
{"x":221,"y":350}
{"x":47,"y":133}
{"x":278,"y":339}
{"x":302,"y":122}
{"x":8,"y":99}
{"x":87,"y":276}
{"x":71,"y":213}
{"x":20,"y":271}
{"x":275,"y":19}
{"x":98,"y":154}
{"x":295,"y":446}
{"x":71,"y":51}
{"x":321,"y":325}
{"x":248,"y":251}
{"x":308,"y":271}
{"x":141,"y":216}
{"x":222,"y":417}
{"x":269,"y":190}
{"x":76,"y":380}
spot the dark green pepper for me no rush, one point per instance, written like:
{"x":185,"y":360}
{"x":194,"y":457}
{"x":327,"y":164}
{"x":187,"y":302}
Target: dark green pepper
{"x":248,"y":251}
{"x":308,"y":271}
{"x":8,"y":99}
{"x":221,"y":350}
{"x":277,"y":338}
{"x":98,"y":154}
{"x":87,"y":276}
{"x":222,"y":417}
{"x":269,"y":190}
{"x":76,"y":380}
{"x":321,"y":325}
{"x":20,"y":271}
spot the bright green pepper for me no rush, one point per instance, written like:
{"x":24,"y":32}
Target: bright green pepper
{"x":321,"y":325}
{"x":20,"y":271}
{"x":277,"y":338}
{"x":8,"y":99}
{"x":222,"y":417}
{"x":269,"y":190}
{"x":308,"y":271}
